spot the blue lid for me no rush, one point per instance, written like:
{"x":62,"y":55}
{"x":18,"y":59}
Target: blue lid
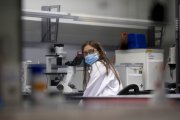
{"x":37,"y":68}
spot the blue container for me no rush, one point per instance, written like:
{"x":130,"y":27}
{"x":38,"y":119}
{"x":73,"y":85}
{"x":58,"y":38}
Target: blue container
{"x":136,"y":41}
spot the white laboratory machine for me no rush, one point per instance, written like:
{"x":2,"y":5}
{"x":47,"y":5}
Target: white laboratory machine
{"x":140,"y":66}
{"x":172,"y":63}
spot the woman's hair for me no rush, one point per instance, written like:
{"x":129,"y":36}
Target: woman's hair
{"x":102,"y":57}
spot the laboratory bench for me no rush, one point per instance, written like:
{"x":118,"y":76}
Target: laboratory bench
{"x":76,"y":97}
{"x":93,"y":112}
{"x":143,"y":99}
{"x":125,"y":107}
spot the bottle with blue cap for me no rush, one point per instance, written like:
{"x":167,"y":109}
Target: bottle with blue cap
{"x":39,"y":83}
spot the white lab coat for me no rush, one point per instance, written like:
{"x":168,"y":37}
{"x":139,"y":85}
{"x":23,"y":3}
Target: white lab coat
{"x":101,"y":84}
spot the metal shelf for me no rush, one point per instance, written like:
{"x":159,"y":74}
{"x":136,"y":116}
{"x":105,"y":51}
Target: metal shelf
{"x":85,"y":19}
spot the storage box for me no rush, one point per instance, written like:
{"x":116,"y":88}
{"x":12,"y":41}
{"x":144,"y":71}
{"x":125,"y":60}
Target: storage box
{"x":136,"y":41}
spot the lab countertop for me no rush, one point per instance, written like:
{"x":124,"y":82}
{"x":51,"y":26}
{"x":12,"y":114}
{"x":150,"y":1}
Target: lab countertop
{"x":95,"y":113}
{"x":114,"y":110}
{"x":123,"y":99}
{"x":138,"y":96}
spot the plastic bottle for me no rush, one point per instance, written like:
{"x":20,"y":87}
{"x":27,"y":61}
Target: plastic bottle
{"x":39,"y":84}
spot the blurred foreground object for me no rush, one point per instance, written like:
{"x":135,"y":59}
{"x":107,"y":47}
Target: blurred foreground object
{"x":10,"y":53}
{"x":39,"y":83}
{"x":26,"y":86}
{"x":159,"y":96}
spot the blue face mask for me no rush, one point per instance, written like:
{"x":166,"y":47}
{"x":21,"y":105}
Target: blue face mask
{"x":91,"y":58}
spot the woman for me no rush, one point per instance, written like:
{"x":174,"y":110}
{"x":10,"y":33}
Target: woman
{"x":100,"y":77}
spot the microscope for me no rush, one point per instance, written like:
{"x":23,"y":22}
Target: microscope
{"x":171,"y":85}
{"x":58,"y":57}
{"x":63,"y":74}
{"x":172,"y":61}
